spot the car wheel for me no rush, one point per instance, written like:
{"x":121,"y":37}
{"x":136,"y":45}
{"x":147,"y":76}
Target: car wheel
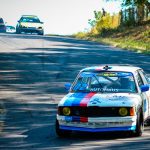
{"x":60,"y":132}
{"x":41,"y":33}
{"x":18,"y":31}
{"x":139,"y":125}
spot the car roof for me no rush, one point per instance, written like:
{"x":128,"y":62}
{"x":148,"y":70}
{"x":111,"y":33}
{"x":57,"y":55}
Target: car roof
{"x":122,"y":68}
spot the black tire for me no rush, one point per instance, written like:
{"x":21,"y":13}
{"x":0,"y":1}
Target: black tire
{"x":41,"y":33}
{"x":18,"y":31}
{"x":139,"y":125}
{"x":60,"y":132}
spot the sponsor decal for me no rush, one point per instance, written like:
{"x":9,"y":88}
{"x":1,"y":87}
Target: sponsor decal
{"x":103,"y":90}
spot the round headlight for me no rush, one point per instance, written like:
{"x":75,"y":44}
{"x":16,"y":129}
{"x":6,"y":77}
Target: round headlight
{"x":66,"y":111}
{"x":123,"y":111}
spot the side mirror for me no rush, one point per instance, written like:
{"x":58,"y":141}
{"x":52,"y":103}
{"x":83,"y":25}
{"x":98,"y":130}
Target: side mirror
{"x":144,"y":88}
{"x":67,"y":86}
{"x":42,"y":22}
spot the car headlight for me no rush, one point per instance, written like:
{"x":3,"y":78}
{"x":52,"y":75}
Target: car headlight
{"x":40,"y":28}
{"x":123,"y":111}
{"x":66,"y":111}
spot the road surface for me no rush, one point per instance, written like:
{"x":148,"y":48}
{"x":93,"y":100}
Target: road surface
{"x":33,"y":70}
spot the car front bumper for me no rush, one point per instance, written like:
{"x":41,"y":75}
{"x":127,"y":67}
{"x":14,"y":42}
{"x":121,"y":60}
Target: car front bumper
{"x":98,"y":124}
{"x":31,"y":29}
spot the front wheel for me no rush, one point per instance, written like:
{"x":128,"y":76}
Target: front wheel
{"x":139,"y":125}
{"x":18,"y":31}
{"x":60,"y":132}
{"x":41,"y":33}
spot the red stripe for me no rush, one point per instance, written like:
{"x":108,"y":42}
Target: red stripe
{"x":98,"y":68}
{"x":86,"y":99}
{"x":83,"y":119}
{"x":84,"y":103}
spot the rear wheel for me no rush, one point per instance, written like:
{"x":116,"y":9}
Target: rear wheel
{"x":60,"y":132}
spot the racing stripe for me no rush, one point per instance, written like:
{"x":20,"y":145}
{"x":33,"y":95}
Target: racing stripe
{"x":74,"y":99}
{"x":78,"y":98}
{"x":76,"y":119}
{"x":68,"y":100}
{"x":84,"y":103}
{"x":79,"y":119}
{"x":86,"y":99}
{"x":83,"y":119}
{"x":98,"y":68}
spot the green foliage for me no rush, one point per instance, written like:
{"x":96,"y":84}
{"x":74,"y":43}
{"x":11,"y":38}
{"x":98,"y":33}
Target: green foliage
{"x":121,"y":29}
{"x":135,"y":12}
{"x":103,"y":22}
{"x":147,"y":33}
{"x":97,"y":16}
{"x":81,"y":35}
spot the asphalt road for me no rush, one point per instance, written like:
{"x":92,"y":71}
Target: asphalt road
{"x":33,"y":70}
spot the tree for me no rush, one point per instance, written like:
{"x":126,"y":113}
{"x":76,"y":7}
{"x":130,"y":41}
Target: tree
{"x":141,"y":7}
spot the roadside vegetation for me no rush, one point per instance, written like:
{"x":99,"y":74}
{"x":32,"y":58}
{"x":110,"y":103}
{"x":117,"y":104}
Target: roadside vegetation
{"x":129,"y":29}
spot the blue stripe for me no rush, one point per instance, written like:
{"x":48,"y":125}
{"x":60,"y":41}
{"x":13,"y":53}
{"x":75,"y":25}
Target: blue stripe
{"x":72,"y":118}
{"x":68,"y":118}
{"x":76,"y":119}
{"x":78,"y":98}
{"x":127,"y":128}
{"x":74,"y":99}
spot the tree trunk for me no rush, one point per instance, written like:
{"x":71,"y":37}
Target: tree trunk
{"x":147,"y":4}
{"x":140,"y":13}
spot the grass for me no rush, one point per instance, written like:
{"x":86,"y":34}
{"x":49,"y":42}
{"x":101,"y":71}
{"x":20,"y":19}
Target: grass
{"x":133,"y":38}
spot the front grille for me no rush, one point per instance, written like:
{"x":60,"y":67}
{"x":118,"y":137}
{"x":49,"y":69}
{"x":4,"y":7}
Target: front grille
{"x":93,"y":111}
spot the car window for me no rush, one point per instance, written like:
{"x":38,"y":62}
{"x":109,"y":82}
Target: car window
{"x":139,"y":79}
{"x":105,"y":82}
{"x":144,"y":76}
{"x":10,"y":27}
{"x":29,"y":19}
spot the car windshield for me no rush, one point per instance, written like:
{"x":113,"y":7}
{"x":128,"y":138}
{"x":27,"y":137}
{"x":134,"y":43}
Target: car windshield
{"x":30,"y":19}
{"x":10,"y":27}
{"x":109,"y":82}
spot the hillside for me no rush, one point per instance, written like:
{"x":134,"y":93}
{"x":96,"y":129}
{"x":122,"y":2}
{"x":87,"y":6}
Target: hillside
{"x":132,"y":38}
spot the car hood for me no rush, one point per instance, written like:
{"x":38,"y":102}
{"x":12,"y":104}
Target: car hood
{"x":28,"y":24}
{"x":103,"y":100}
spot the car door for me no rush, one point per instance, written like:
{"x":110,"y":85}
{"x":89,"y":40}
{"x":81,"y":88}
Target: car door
{"x":147,"y":93}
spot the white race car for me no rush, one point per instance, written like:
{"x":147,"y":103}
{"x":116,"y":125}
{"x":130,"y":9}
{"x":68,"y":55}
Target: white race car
{"x":104,"y":99}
